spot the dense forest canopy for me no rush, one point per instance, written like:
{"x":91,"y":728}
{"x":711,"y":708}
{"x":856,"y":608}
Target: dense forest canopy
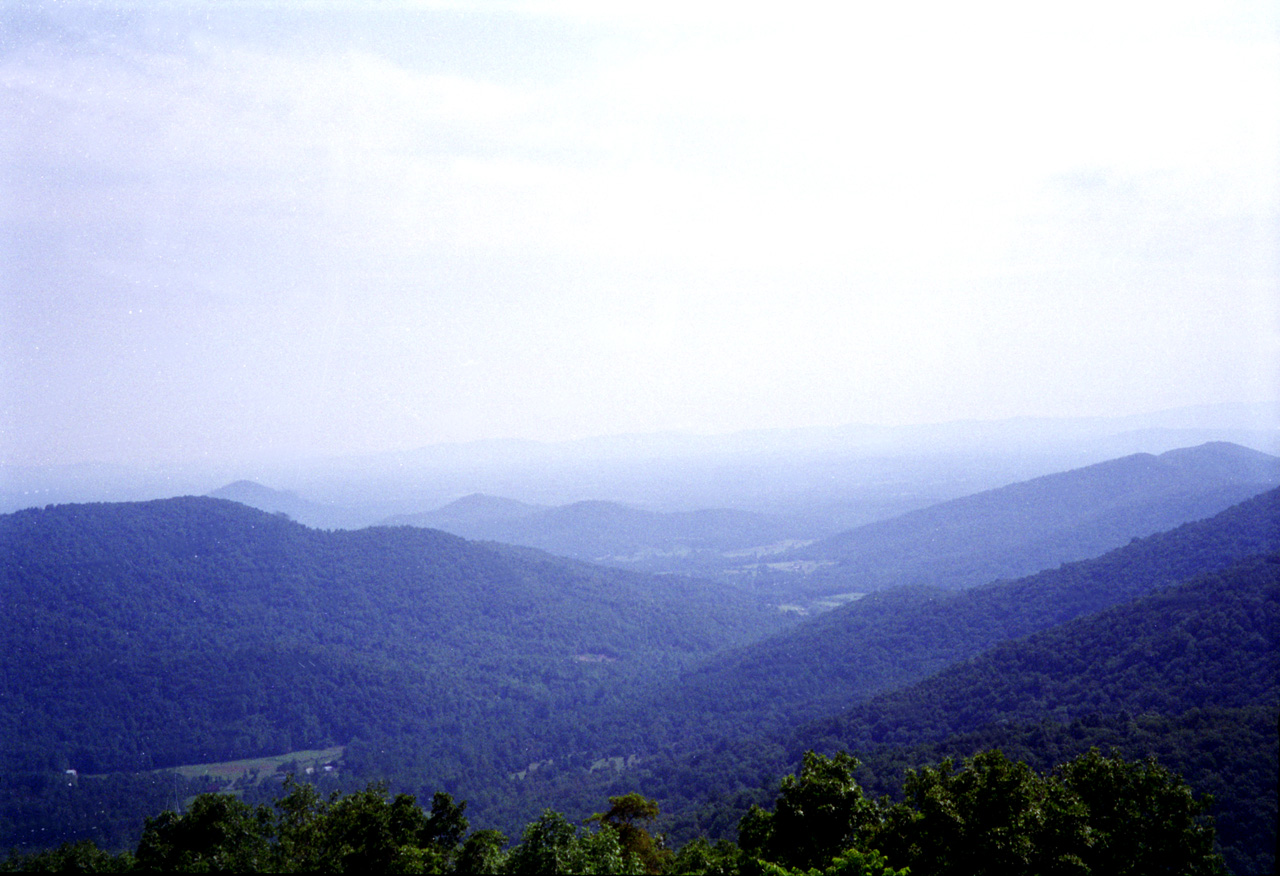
{"x":196,"y":629}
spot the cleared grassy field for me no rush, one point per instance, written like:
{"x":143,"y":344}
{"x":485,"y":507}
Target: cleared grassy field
{"x":259,"y":768}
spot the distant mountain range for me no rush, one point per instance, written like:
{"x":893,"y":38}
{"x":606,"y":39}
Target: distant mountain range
{"x":1024,"y":527}
{"x":611,"y":533}
{"x":832,"y":478}
{"x":1004,"y":533}
{"x":285,"y":502}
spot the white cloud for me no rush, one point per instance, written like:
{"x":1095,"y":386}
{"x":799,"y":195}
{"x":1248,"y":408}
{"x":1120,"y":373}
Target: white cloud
{"x":724,"y":207}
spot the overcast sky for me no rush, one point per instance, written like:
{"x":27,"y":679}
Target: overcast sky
{"x":248,"y":227}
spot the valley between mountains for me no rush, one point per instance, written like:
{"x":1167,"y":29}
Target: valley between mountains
{"x":553,"y":656}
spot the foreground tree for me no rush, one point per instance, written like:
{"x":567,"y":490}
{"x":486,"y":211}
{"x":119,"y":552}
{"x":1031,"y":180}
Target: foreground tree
{"x":624,"y":817}
{"x":1142,"y":818}
{"x":699,"y":856}
{"x":817,"y":815}
{"x":219,"y":833}
{"x":991,"y":817}
{"x":553,"y":845}
{"x":482,"y":853}
{"x":1095,"y":815}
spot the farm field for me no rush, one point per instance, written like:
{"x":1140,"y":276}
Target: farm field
{"x":254,"y":770}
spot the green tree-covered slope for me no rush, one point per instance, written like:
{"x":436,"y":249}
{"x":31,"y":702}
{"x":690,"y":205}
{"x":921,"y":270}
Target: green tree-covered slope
{"x":1213,"y":642}
{"x":1189,"y":674}
{"x":188,"y":630}
{"x":898,"y":637}
{"x":1024,"y":527}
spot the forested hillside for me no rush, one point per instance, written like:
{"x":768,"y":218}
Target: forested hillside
{"x":1213,"y":642}
{"x":1022,"y":528}
{"x":183,"y":631}
{"x":1195,"y":669}
{"x":899,"y":637}
{"x":1189,"y":674}
{"x":188,"y":630}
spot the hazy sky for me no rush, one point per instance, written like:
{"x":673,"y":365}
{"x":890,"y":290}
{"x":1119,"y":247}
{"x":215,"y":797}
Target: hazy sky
{"x":252,"y":227}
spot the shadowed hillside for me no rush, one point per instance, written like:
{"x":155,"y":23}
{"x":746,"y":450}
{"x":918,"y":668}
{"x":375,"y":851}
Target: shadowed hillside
{"x":897,"y":637}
